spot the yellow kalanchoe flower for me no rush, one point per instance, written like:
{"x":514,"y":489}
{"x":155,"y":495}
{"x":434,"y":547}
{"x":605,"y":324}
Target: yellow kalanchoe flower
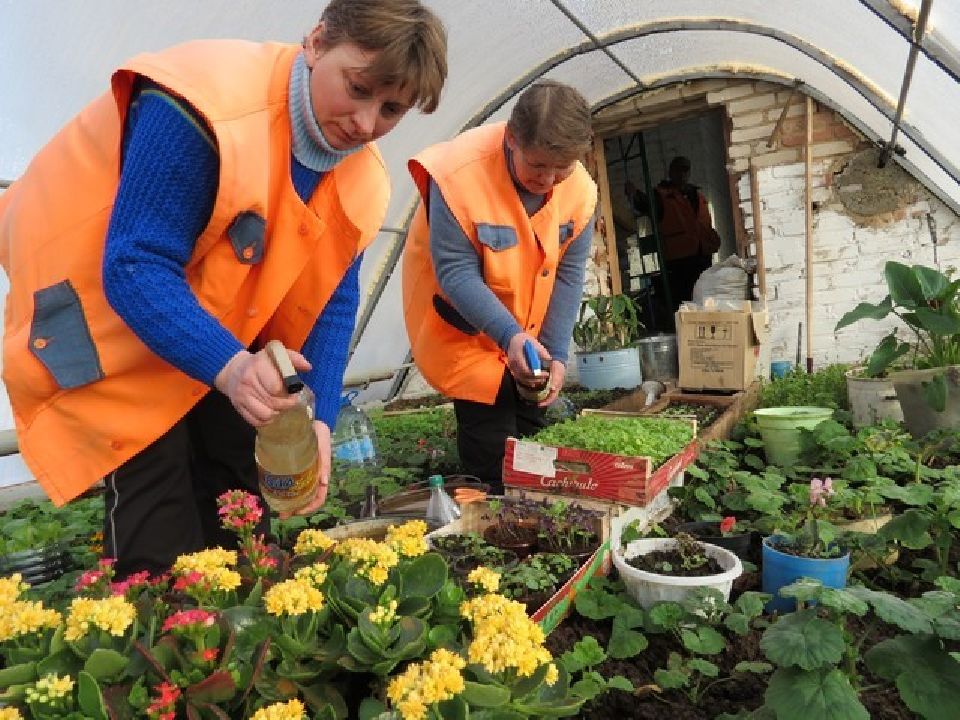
{"x":25,"y":617}
{"x":204,"y":561}
{"x":49,"y":688}
{"x":10,"y":588}
{"x":112,"y":614}
{"x":424,"y":684}
{"x":552,"y":675}
{"x":503,"y":636}
{"x":409,"y":539}
{"x":372,"y":559}
{"x":292,"y":710}
{"x":293,"y":597}
{"x":485,"y":578}
{"x":384,"y":614}
{"x":312,"y":541}
{"x":315,"y":574}
{"x":10,"y":713}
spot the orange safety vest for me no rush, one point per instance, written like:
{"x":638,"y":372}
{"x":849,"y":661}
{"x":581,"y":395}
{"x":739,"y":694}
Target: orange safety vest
{"x":53,"y":225}
{"x":686,"y":233}
{"x":519,"y":255}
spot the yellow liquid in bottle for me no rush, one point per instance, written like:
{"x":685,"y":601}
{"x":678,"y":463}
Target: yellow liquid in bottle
{"x":287,"y":460}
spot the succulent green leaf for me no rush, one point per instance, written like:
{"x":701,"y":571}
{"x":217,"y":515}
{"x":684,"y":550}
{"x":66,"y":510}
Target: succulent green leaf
{"x":18,"y":674}
{"x":480,"y":695}
{"x":105,"y":664}
{"x":90,"y":697}
{"x":424,"y":576}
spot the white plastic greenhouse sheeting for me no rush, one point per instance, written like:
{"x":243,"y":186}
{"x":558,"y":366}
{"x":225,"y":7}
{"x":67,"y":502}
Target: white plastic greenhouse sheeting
{"x":851,"y":54}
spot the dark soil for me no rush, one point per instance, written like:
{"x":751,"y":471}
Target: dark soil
{"x":653,"y":562}
{"x":582,"y":398}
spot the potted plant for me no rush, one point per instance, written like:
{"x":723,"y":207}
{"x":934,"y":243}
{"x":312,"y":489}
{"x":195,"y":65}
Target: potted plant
{"x":727,"y":533}
{"x":658,"y":569}
{"x":927,"y":374}
{"x":513,"y":528}
{"x":606,"y":333}
{"x":781,"y":430}
{"x":569,"y":529}
{"x":872,"y":399}
{"x":805,"y":546}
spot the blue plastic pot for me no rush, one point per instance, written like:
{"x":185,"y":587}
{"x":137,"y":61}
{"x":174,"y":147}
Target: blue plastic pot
{"x":779,"y":368}
{"x":781,"y":569}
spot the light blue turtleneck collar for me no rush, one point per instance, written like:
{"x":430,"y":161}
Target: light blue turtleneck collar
{"x":310,"y":147}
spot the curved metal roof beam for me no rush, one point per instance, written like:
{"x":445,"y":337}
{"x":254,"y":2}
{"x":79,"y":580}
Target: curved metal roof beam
{"x":934,"y":50}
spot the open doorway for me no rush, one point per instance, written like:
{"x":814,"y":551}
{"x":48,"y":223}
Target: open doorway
{"x":699,"y":138}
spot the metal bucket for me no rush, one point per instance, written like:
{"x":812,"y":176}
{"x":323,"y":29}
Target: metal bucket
{"x":608,"y":369}
{"x":658,"y":356}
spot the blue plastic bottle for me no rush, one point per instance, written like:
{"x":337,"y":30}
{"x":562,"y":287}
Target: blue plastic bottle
{"x":353,"y":439}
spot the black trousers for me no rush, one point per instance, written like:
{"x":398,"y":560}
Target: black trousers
{"x":482,"y":431}
{"x":163,"y":501}
{"x":683,"y":274}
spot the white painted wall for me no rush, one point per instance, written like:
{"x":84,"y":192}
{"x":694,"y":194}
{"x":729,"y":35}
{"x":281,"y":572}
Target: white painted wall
{"x":848,"y":262}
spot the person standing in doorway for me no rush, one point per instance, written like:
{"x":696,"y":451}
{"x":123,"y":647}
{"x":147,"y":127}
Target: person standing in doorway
{"x":220,"y":195}
{"x":686,"y":227}
{"x":495,"y":258}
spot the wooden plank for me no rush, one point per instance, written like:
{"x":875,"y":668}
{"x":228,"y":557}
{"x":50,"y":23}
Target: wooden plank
{"x":607,"y":227}
{"x":808,"y":207}
{"x":758,"y":232}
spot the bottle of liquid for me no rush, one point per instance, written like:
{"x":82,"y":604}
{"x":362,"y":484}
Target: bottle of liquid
{"x":354,"y":439}
{"x":441,"y":509}
{"x":286,"y":448}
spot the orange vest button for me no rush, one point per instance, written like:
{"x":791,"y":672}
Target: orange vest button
{"x":40,"y":343}
{"x":251,"y":312}
{"x":247,"y":253}
{"x":115,"y":444}
{"x":545,"y":273}
{"x":303,"y":229}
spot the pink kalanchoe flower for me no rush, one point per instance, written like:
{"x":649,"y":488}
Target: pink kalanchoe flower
{"x":88,"y":579}
{"x":137,"y":581}
{"x":185,"y":582}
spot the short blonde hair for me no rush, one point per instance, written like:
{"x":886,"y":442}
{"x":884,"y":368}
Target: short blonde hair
{"x":552,"y":116}
{"x":410,"y":40}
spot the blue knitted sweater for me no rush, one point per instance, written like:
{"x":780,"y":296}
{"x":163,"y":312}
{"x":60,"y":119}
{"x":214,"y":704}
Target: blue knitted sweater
{"x":164,"y":201}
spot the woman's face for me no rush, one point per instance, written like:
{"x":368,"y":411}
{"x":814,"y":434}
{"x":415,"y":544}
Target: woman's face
{"x":349,"y":110}
{"x":538,"y":170}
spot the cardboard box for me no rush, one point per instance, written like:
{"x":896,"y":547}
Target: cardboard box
{"x":624,"y":479}
{"x":719,"y":350}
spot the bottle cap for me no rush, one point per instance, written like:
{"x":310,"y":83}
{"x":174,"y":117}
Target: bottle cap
{"x":435,"y":481}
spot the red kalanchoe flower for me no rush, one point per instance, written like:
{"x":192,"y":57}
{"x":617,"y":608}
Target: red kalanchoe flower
{"x":727,"y":524}
{"x":188,"y":619}
{"x":164,"y":706}
{"x":185,"y":582}
{"x":239,"y":511}
{"x":210,"y":654}
{"x":88,"y":579}
{"x":133,"y":584}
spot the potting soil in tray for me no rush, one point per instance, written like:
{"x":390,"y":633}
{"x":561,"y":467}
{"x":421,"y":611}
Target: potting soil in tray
{"x":705,"y":414}
{"x":653,"y":563}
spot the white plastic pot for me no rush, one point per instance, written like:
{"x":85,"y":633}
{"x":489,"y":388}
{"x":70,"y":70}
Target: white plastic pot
{"x":648,"y":588}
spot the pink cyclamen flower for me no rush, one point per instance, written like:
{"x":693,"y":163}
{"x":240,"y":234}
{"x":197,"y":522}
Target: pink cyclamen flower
{"x":820,"y":490}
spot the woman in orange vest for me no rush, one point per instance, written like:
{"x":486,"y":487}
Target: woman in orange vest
{"x":495,"y":258}
{"x":221,"y":195}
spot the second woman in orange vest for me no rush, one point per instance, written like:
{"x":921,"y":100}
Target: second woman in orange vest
{"x":496,"y":257}
{"x":220,"y":196}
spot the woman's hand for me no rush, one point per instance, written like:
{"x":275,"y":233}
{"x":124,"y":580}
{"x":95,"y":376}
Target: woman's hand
{"x":323,"y":472}
{"x":557,"y":373}
{"x":517,"y":363}
{"x":254,"y":386}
